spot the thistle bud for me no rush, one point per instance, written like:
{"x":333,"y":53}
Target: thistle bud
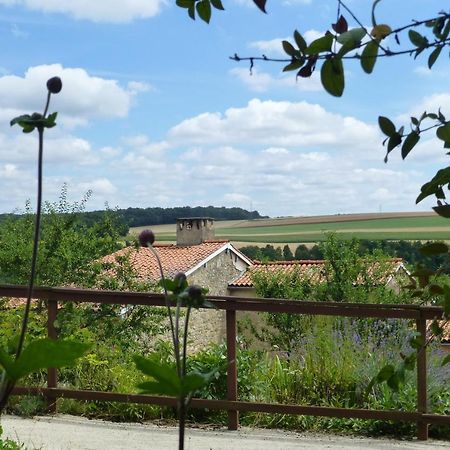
{"x":54,"y":85}
{"x":146,"y":238}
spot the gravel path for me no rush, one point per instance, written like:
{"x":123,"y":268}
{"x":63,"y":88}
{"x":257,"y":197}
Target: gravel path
{"x":75,"y":433}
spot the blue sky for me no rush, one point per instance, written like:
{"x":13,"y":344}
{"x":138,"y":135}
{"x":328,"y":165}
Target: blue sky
{"x":153,"y":113}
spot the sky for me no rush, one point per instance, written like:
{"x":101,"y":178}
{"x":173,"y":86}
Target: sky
{"x":154,"y":113}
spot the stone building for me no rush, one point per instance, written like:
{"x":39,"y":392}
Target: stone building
{"x":210,"y":263}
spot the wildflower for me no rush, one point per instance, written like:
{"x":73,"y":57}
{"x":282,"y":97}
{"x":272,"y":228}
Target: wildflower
{"x":54,"y":85}
{"x":146,"y":238}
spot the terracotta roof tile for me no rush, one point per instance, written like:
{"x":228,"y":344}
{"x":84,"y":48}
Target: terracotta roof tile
{"x":314,"y":269}
{"x":173,"y":258}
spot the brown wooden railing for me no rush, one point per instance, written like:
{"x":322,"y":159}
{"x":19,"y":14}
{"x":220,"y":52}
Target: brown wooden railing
{"x":420,"y":314}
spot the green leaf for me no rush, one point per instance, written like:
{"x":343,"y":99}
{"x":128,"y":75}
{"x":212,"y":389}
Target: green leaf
{"x":434,"y":55}
{"x":369,"y":56}
{"x":351,"y":38}
{"x":165,"y":374}
{"x":394,"y":381}
{"x":416,"y":342}
{"x":385,"y":373}
{"x":8,"y":364}
{"x":300,"y":41}
{"x":323,"y":44}
{"x":446,"y":360}
{"x":204,"y":10}
{"x":386,"y":126}
{"x":443,"y":132}
{"x":436,"y":329}
{"x":44,"y":353}
{"x":434,"y":248}
{"x":294,"y":65}
{"x":185,"y":3}
{"x":158,"y":388}
{"x":394,"y":141}
{"x":417,"y":39}
{"x":411,"y":140}
{"x":442,"y":210}
{"x":332,"y":76}
{"x":288,"y":48}
{"x":217,"y":4}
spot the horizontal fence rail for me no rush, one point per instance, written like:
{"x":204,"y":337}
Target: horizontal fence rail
{"x":56,"y":296}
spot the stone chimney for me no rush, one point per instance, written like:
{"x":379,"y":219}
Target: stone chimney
{"x":194,"y":230}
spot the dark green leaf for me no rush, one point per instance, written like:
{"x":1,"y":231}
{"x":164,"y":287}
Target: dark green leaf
{"x":446,"y":360}
{"x":436,"y":329}
{"x":442,"y":210}
{"x":416,"y":342}
{"x":185,"y":3}
{"x":288,"y":48}
{"x":394,"y":141}
{"x":434,"y":248}
{"x":217,"y":4}
{"x":294,"y":65}
{"x":434,"y":55}
{"x":411,"y":140}
{"x":323,"y":44}
{"x":301,"y":43}
{"x":332,"y":76}
{"x":417,"y":39}
{"x":385,"y":373}
{"x":369,"y":56}
{"x":443,"y":132}
{"x":394,"y":382}
{"x":386,"y":126}
{"x":204,"y":10}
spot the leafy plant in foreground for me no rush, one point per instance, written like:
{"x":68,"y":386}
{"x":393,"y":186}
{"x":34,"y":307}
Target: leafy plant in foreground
{"x":17,"y":361}
{"x":166,"y":378}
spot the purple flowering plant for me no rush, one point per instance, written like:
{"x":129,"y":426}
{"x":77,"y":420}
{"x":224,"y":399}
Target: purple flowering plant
{"x":173,"y":379}
{"x":19,"y":360}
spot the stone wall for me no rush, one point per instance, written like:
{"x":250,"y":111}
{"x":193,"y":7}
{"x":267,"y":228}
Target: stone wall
{"x":208,"y":325}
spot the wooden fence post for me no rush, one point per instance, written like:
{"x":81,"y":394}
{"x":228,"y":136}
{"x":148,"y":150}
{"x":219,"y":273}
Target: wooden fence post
{"x":233,"y":415}
{"x":52,"y":374}
{"x":422,"y":426}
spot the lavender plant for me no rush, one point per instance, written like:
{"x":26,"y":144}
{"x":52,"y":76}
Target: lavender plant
{"x":19,"y":360}
{"x":173,"y":379}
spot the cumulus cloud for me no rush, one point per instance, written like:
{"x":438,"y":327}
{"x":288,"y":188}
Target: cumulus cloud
{"x":83,"y":96}
{"x":259,"y":81}
{"x":115,"y":11}
{"x":273,"y":123}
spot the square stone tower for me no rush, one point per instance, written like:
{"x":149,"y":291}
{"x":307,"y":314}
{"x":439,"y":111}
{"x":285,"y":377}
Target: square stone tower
{"x":194,"y":230}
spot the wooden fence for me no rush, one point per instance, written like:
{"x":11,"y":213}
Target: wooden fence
{"x":420,"y":314}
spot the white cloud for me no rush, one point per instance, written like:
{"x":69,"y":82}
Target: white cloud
{"x":273,"y":47}
{"x":261,"y":82}
{"x":272,"y":123}
{"x":101,"y":186}
{"x":83,"y":96}
{"x":115,"y":11}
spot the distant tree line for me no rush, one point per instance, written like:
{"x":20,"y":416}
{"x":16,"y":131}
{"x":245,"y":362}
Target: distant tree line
{"x":409,"y":251}
{"x":138,"y":217}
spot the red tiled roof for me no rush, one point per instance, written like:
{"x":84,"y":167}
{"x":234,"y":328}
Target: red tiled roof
{"x":304,"y":267}
{"x":312,"y":268}
{"x":174,"y":258}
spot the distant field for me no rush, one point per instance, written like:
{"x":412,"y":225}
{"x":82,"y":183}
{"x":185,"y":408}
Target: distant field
{"x":387,"y":226}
